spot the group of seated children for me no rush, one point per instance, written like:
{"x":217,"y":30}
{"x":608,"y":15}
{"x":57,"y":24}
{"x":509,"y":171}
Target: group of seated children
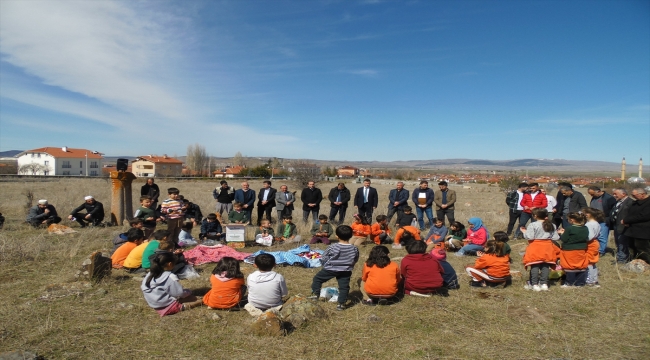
{"x":136,"y":253}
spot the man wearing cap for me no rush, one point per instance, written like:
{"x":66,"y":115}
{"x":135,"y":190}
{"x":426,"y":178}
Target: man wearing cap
{"x":43,"y":214}
{"x":94,"y":212}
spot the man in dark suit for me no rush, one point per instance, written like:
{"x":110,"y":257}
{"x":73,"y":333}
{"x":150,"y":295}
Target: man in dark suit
{"x":619,"y":211}
{"x":311,"y":197}
{"x":246,"y":197}
{"x":266,"y":202}
{"x":637,"y":222}
{"x":365,"y":200}
{"x":397,"y":199}
{"x":339,"y":196}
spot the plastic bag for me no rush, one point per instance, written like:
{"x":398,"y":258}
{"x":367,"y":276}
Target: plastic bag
{"x":415,"y":223}
{"x":264,"y":240}
{"x":188,"y":272}
{"x":330,"y":293}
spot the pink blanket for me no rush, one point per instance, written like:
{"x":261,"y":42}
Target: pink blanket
{"x":206,"y":254}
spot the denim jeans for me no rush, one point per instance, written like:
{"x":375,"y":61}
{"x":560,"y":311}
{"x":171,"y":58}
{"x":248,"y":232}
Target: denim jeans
{"x":470,"y":249}
{"x":420,"y":214}
{"x":602,"y":238}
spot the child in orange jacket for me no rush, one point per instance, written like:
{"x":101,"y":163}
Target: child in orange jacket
{"x":227,"y":285}
{"x":380,"y":231}
{"x":413,"y":232}
{"x":380,"y":278}
{"x":360,"y":230}
{"x":491,"y":266}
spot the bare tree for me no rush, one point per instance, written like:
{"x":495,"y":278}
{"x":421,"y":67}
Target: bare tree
{"x":304,"y":172}
{"x":33,"y":168}
{"x":238,"y":160}
{"x":196,"y":159}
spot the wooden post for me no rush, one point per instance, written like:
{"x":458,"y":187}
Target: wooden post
{"x":121,"y":199}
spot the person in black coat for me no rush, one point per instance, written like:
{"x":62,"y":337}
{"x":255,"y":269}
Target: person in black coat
{"x":311,"y":197}
{"x":366,"y":200}
{"x":94,"y":212}
{"x":152,"y":190}
{"x":43,"y":214}
{"x":339,"y":198}
{"x":637,"y":222}
{"x":557,"y":210}
{"x":265,"y":202}
{"x":618,"y":213}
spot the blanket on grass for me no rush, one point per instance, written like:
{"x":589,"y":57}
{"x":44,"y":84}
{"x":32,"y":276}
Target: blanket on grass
{"x":211,"y":254}
{"x":301,"y":256}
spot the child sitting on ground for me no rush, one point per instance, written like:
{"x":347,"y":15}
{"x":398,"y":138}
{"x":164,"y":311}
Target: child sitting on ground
{"x":211,"y":228}
{"x":133,"y":262}
{"x":287,"y":231}
{"x":457,"y":233}
{"x":540,"y":254}
{"x":185,"y":237}
{"x":321,"y":231}
{"x":573,"y":256}
{"x":161,"y":288}
{"x":502,"y":237}
{"x":477,"y":236}
{"x":153,"y":245}
{"x":134,"y":238}
{"x":264,"y":233}
{"x":380,"y":277}
{"x":228,"y":287}
{"x":147,"y":216}
{"x":338,"y":262}
{"x":421,"y":272}
{"x":408,"y":218}
{"x":169,"y":246}
{"x":491,"y":266}
{"x":594,"y":218}
{"x":405,"y":235}
{"x":121,"y":238}
{"x":380,"y":231}
{"x":436,"y":234}
{"x":360,"y":230}
{"x":237,"y":215}
{"x":266,"y":288}
{"x":449,"y":277}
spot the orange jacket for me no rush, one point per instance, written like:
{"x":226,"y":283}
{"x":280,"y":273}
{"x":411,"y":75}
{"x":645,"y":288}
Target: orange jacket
{"x":495,"y":266}
{"x":413,"y":231}
{"x":118,"y":257}
{"x":375,"y":231}
{"x":359,"y":229}
{"x":381,"y":281}
{"x":224,"y":294}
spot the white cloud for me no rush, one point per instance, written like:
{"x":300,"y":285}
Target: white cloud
{"x":364,"y":72}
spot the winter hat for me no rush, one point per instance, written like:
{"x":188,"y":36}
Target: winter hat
{"x":42,"y":202}
{"x":439,"y":254}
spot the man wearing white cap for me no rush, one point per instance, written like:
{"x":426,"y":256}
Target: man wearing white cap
{"x":94,"y":212}
{"x":43,"y":214}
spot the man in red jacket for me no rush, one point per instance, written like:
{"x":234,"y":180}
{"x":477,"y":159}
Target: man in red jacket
{"x":532,"y":199}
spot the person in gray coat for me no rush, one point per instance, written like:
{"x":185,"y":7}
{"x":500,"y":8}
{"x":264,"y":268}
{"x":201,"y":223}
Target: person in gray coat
{"x":43,"y":214}
{"x":284,"y":200}
{"x":574,"y":201}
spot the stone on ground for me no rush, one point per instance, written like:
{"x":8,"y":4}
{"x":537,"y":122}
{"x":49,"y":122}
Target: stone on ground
{"x":636,"y":266}
{"x":298,"y":310}
{"x":268,"y":324}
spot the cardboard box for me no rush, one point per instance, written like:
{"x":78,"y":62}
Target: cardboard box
{"x":235,"y":233}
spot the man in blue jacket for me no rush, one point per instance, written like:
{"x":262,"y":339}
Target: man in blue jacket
{"x":397,"y":199}
{"x":423,"y":198}
{"x":246,"y":197}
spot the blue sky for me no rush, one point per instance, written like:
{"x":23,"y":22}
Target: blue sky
{"x":340,"y":80}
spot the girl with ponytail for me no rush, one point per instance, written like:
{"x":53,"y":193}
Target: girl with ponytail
{"x":541,"y":252}
{"x":161,"y":288}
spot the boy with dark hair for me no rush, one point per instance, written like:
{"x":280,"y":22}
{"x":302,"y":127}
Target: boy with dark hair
{"x":238,"y":215}
{"x":421,"y":272}
{"x":266,"y":288}
{"x":192,"y":212}
{"x":134,"y":237}
{"x":407,"y":218}
{"x":338,"y":261}
{"x":133,"y":262}
{"x":287,"y":231}
{"x":172,"y":209}
{"x":321,"y":231}
{"x":146,"y":215}
{"x":122,"y":238}
{"x":211,"y":228}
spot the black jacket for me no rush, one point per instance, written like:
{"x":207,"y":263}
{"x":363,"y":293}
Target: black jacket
{"x":373,"y":198}
{"x":150,"y":190}
{"x":638,"y":220}
{"x":608,"y":202}
{"x":615,"y":219}
{"x":345,"y":197}
{"x":577,"y":203}
{"x":193,"y":212}
{"x":38,"y":214}
{"x":311,"y":196}
{"x":96,"y":209}
{"x":270,"y":198}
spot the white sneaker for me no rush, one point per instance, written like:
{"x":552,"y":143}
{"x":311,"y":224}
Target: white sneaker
{"x":537,"y":288}
{"x":528,"y":286}
{"x":544,"y":287}
{"x":413,"y":293}
{"x":397,"y":246}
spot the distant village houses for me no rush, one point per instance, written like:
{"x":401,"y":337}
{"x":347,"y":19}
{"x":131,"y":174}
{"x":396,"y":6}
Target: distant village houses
{"x":60,"y":161}
{"x":228,"y":172}
{"x":156,"y":166}
{"x":347,"y":171}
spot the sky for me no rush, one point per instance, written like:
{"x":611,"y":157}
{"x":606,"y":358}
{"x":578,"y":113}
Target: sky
{"x":329,"y":80}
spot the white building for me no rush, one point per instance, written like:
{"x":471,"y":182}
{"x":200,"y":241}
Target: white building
{"x":60,"y":161}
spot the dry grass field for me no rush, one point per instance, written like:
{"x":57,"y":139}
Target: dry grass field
{"x":110,"y":320}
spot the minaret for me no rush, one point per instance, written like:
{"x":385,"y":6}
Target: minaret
{"x":641,"y":168}
{"x":623,"y":170}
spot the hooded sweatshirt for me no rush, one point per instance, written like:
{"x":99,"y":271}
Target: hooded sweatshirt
{"x":162,"y":291}
{"x":266,"y":289}
{"x":422,"y":273}
{"x":225,"y":292}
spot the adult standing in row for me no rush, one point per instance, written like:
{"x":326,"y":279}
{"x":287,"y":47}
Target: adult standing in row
{"x":559,"y":207}
{"x":246,"y":197}
{"x":43,"y":213}
{"x":339,"y":198}
{"x":266,"y":202}
{"x":311,"y":197}
{"x":604,"y":202}
{"x":550,"y":201}
{"x":151,"y":190}
{"x":284,"y":202}
{"x":618,"y":213}
{"x":445,"y":200}
{"x":423,"y":199}
{"x":224,"y":195}
{"x":397,"y":199}
{"x":574,"y":201}
{"x":366,"y":200}
{"x":532,"y":199}
{"x":513,"y":200}
{"x":637,"y":221}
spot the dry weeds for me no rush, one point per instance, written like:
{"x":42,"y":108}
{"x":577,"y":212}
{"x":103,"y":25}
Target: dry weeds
{"x":111,"y":319}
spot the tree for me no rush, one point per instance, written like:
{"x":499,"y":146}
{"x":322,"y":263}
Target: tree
{"x":260,"y":171}
{"x":304,"y":172}
{"x":509,"y":183}
{"x":238,"y":160}
{"x":196,"y":159}
{"x":33,"y":168}
{"x":330,"y":171}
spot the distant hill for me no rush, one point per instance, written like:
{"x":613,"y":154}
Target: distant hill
{"x":10,"y":153}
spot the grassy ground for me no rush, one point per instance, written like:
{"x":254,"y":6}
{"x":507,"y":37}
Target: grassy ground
{"x":111,"y":319}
